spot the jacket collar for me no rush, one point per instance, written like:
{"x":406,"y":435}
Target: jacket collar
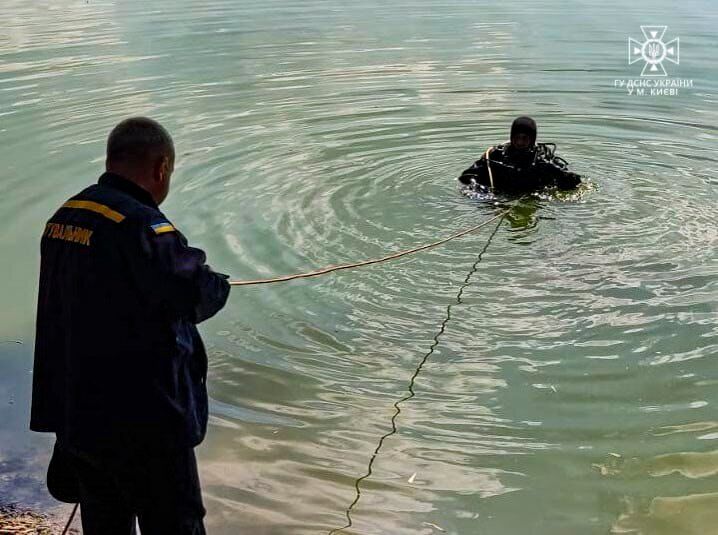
{"x":130,"y":188}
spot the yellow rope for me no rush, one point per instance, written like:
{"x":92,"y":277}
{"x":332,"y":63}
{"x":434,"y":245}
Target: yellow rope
{"x":331,"y":269}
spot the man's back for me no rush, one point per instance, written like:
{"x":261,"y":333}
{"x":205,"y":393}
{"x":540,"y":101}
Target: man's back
{"x":117,"y":349}
{"x":120,"y":369}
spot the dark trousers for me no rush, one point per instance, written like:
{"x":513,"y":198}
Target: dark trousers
{"x":158,"y":487}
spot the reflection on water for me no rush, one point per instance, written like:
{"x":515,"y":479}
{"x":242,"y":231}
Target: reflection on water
{"x":649,"y":511}
{"x":571,"y":392}
{"x":688,"y":515}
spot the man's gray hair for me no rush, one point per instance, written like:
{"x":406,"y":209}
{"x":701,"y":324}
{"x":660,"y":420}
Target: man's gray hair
{"x":138,"y":138}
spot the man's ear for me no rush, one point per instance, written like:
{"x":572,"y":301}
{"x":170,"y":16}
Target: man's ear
{"x":162,"y":169}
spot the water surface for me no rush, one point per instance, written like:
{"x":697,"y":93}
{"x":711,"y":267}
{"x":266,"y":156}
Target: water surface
{"x":571,"y":391}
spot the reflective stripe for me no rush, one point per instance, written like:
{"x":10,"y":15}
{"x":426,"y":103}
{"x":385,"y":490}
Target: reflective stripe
{"x":96,"y":207}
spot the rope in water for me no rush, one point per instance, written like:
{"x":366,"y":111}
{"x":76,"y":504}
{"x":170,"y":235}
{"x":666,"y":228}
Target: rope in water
{"x":412,"y":381}
{"x":331,"y":269}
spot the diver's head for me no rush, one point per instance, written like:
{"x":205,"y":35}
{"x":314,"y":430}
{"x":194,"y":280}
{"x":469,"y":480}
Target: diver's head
{"x":523,"y":133}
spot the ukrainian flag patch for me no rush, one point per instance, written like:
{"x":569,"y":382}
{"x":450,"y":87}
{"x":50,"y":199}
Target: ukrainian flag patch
{"x":161,"y":228}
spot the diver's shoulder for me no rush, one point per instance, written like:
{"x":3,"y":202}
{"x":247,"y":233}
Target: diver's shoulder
{"x":497,"y":152}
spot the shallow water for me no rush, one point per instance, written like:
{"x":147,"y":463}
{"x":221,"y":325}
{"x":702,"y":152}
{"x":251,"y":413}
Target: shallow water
{"x":570,"y":392}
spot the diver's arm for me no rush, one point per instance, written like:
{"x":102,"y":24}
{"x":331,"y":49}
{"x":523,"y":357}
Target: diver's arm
{"x":567,"y":179}
{"x":557,"y":171}
{"x":476,"y":172}
{"x":564,"y":178}
{"x":473,"y":172}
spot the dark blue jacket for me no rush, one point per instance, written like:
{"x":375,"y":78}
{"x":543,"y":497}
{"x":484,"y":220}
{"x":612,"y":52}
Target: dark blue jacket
{"x":117,"y":351}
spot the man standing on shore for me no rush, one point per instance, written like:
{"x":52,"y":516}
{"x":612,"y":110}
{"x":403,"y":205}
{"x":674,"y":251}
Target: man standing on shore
{"x":120,"y":368}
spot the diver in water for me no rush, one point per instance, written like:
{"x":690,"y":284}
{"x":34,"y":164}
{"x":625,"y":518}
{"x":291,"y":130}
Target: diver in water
{"x":521,"y":165}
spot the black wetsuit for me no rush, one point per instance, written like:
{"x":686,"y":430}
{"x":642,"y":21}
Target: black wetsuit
{"x":520,"y":171}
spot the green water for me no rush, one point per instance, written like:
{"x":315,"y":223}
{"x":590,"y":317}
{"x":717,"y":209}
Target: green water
{"x":572,"y":391}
